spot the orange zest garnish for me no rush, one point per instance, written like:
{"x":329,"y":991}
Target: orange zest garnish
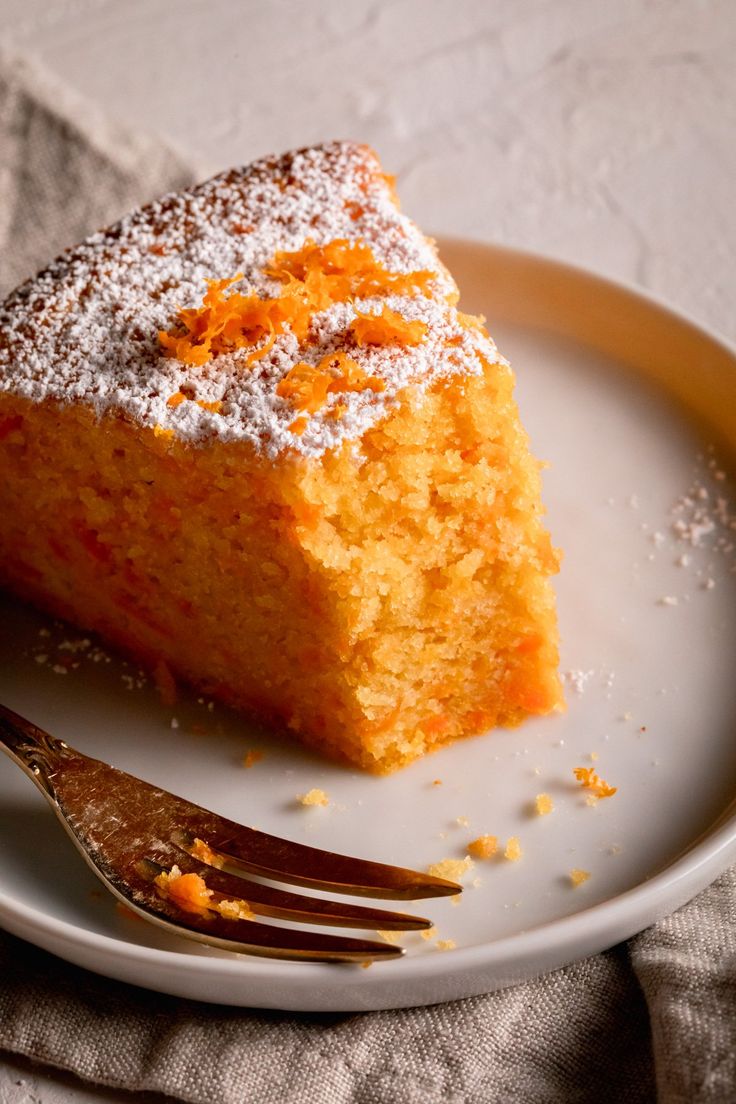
{"x":589,"y":780}
{"x":307,"y":385}
{"x":314,"y":277}
{"x":343,"y":270}
{"x":227,"y":322}
{"x":387,"y":327}
{"x":298,"y":426}
{"x":472,"y":322}
{"x":351,"y":376}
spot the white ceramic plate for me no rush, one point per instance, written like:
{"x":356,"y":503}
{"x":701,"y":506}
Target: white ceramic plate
{"x":625,"y":399}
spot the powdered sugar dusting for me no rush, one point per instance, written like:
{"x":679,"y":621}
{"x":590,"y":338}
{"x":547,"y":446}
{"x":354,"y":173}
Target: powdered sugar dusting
{"x":85,"y":329}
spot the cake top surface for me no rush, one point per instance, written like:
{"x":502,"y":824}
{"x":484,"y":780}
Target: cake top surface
{"x":140,"y":317}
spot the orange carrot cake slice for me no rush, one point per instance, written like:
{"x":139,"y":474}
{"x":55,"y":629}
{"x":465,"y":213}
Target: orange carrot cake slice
{"x":246,"y":433}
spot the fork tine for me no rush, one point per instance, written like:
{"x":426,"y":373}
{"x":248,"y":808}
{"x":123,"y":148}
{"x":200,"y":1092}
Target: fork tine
{"x":245,"y":936}
{"x":298,"y":864}
{"x":265,"y":900}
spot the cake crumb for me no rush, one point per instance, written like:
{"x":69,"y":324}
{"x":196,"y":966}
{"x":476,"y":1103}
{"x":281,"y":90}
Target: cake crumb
{"x":594,"y":756}
{"x":446,"y":944}
{"x":462,"y":821}
{"x":428,"y":933}
{"x":484,"y":847}
{"x":235,"y":910}
{"x":174,"y":722}
{"x":392,"y":937}
{"x":513,"y":851}
{"x":313,"y":797}
{"x":543,"y":804}
{"x":254,"y":756}
{"x":577,"y":877}
{"x":452,"y":870}
{"x":202,"y":851}
{"x":668,"y":600}
{"x":437,"y":782}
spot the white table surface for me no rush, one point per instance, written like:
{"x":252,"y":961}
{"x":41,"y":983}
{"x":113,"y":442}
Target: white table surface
{"x":600,"y":132}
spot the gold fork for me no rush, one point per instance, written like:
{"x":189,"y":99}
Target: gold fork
{"x":135,"y":835}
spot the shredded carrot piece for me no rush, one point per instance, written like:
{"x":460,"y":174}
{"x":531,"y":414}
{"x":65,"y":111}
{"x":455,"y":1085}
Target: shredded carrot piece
{"x":577,"y":877}
{"x":387,"y":327}
{"x":159,"y":431}
{"x":589,"y":780}
{"x":176,"y":399}
{"x":213,"y":407}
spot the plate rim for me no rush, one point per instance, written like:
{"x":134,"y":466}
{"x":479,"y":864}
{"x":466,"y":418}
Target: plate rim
{"x":322,"y":987}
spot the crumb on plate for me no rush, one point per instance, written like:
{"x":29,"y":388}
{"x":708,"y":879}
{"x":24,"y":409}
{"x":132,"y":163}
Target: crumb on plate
{"x":589,"y":780}
{"x":452,"y":870}
{"x":513,"y":851}
{"x":313,"y":797}
{"x":484,"y":847}
{"x":543,"y":804}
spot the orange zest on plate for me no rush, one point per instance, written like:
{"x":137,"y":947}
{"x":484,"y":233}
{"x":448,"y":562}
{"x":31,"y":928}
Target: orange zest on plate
{"x":589,"y":780}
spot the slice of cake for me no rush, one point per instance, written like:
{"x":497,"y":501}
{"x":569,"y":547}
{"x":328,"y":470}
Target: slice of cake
{"x":246,"y":433}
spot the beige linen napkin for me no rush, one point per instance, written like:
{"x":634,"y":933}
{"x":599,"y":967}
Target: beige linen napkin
{"x":654,"y":1019}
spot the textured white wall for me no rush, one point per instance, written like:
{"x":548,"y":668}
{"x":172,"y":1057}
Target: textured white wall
{"x":603,"y":131}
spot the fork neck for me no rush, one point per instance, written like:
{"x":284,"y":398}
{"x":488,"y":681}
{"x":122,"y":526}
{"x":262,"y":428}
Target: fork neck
{"x":35,"y":751}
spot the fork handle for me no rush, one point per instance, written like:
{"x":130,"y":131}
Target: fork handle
{"x":39,"y":754}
